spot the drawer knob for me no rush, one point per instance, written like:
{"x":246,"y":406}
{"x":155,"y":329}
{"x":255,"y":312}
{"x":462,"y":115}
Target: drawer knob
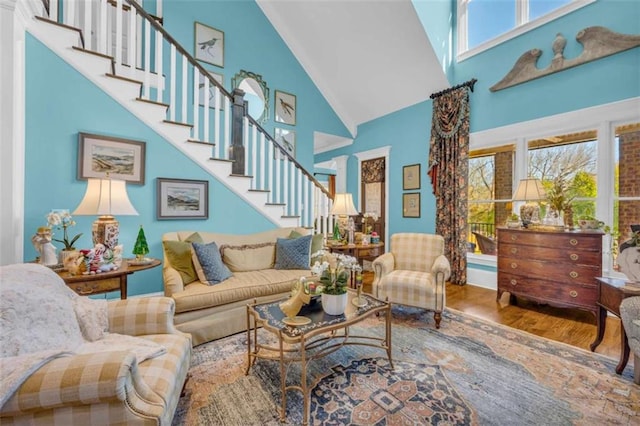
{"x":514,"y":250}
{"x":514,"y":265}
{"x":513,"y":282}
{"x":573,"y":274}
{"x":573,"y":242}
{"x":514,"y":237}
{"x":573,"y":293}
{"x":573,"y":256}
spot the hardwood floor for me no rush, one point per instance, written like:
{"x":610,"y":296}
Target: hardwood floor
{"x":571,"y":326}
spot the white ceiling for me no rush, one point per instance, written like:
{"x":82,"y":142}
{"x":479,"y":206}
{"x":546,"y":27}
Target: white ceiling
{"x":368,"y":58}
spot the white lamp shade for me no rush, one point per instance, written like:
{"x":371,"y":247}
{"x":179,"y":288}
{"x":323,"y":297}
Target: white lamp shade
{"x":106,"y":197}
{"x":343,"y":205}
{"x":529,"y":190}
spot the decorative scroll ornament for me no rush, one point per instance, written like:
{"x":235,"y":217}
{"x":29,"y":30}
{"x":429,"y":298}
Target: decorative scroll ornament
{"x":373,"y":171}
{"x":598,"y":42}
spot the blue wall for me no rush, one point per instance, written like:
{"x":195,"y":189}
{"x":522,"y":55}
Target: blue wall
{"x":60,"y":102}
{"x":606,"y":80}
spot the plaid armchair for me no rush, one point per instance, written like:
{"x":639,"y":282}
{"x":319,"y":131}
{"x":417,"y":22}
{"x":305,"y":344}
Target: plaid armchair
{"x":630,"y":313}
{"x":414,"y":272}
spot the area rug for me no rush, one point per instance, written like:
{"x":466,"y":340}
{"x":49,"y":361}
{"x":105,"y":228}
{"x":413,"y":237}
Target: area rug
{"x":469,"y":372}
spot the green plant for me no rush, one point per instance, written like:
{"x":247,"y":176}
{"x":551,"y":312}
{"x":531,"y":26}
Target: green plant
{"x":334,"y":271}
{"x":557,"y":196}
{"x":514,"y":216}
{"x":586,"y":217}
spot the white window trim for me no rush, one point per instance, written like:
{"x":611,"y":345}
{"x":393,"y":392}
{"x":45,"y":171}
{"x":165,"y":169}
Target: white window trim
{"x":465,"y":53}
{"x":604,"y":118}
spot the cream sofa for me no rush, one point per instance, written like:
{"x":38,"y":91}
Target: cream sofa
{"x":209,"y":312}
{"x":52,"y":375}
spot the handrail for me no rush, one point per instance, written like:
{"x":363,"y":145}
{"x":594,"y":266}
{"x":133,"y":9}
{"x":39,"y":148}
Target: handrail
{"x":204,"y":72}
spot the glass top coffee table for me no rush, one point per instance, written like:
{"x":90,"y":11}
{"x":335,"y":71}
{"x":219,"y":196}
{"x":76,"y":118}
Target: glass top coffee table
{"x":304,"y":343}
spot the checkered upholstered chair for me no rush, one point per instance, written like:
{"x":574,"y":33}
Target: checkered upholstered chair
{"x":414,"y":272}
{"x":630,"y":313}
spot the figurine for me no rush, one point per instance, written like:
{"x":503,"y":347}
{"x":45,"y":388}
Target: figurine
{"x":299,"y":297}
{"x":42,"y":243}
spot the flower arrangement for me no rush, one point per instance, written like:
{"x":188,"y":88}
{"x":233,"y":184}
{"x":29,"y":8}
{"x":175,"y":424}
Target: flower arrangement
{"x":334,"y":271}
{"x":368,"y":219}
{"x":62,"y":219}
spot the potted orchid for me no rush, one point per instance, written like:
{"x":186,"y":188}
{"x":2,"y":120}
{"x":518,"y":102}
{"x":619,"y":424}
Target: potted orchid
{"x":334,"y":271}
{"x":62,"y":219}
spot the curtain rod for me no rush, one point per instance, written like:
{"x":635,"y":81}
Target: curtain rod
{"x":469,"y":84}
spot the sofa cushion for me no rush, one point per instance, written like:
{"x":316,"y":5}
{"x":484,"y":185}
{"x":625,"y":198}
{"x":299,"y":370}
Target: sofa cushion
{"x":208,"y":263}
{"x":243,"y":286}
{"x":179,"y":256}
{"x":293,"y":253}
{"x":248,"y":257}
{"x":316,"y":245}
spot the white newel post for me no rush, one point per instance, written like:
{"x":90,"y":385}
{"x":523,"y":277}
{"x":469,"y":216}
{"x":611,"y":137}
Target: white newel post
{"x":15,"y":15}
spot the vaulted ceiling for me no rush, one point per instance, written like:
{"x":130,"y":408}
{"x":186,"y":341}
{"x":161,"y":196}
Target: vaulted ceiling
{"x":368,"y":58}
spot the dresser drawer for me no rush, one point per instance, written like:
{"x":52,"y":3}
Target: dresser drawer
{"x":571,"y":294}
{"x":550,"y":271}
{"x":568,"y":256}
{"x":555,"y":240}
{"x":95,"y":286}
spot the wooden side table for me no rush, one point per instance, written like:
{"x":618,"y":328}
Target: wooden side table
{"x":611,"y":292}
{"x":361,"y":252}
{"x":105,"y":282}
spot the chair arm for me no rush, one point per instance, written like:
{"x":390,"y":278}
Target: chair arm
{"x":172,"y":281}
{"x":382,"y":266}
{"x":630,"y":314}
{"x":85,"y":379}
{"x":142,"y":316}
{"x":441,"y":265}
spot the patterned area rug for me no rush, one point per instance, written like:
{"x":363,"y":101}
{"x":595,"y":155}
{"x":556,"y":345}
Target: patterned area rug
{"x":470,"y":372}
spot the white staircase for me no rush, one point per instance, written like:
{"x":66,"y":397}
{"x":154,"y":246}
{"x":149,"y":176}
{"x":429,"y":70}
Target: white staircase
{"x":284,"y":193}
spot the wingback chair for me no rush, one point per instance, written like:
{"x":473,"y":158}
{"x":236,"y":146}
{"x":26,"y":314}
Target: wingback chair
{"x":630,"y":313}
{"x":414,"y":272}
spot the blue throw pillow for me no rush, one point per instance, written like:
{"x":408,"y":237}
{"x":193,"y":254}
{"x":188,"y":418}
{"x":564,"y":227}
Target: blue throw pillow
{"x":293,"y":253}
{"x":211,"y":269}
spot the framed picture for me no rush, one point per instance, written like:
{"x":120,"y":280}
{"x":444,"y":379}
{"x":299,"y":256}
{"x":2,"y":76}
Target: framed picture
{"x":209,"y":45}
{"x":122,"y":158}
{"x":411,"y":204}
{"x":411,"y":177}
{"x":212,"y":92}
{"x":285,"y":108}
{"x":182,"y":199}
{"x":286,"y":138}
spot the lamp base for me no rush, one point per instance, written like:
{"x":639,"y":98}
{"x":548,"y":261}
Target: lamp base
{"x":105,"y":231}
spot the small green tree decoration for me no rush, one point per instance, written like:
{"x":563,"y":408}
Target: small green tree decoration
{"x":141,"y":247}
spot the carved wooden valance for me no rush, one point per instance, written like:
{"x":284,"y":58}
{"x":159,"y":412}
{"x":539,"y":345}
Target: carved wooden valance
{"x":598,"y":42}
{"x":373,"y":171}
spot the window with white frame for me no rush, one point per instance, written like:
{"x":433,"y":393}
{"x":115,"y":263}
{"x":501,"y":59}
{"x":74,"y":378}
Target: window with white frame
{"x":483,"y":24}
{"x":598,"y":165}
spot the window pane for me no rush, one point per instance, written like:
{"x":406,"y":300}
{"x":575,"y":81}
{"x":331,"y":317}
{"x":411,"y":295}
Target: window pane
{"x":627,"y":179}
{"x":538,"y":8}
{"x":488,"y":19}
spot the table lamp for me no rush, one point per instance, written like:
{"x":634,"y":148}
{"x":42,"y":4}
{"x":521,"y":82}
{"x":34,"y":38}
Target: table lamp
{"x":106,"y":198}
{"x":343,"y":208}
{"x":529,"y":189}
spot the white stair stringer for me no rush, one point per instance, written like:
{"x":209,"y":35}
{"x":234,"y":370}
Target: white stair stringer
{"x":96,"y":68}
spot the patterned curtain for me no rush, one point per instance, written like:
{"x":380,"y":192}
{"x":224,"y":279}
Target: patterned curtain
{"x":448,"y":170}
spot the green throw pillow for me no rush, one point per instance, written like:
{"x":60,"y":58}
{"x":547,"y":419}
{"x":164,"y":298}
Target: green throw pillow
{"x":179,"y":255}
{"x":316,"y":245}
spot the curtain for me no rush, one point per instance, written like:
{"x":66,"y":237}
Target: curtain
{"x":448,"y":170}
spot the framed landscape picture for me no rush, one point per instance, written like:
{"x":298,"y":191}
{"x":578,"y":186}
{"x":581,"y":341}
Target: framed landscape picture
{"x":411,"y":177}
{"x":209,"y":45}
{"x":411,"y":204}
{"x":122,"y":159}
{"x":182,"y":199}
{"x":285,"y":107}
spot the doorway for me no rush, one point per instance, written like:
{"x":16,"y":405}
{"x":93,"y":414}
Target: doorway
{"x":373,"y":191}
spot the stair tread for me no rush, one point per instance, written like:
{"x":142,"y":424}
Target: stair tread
{"x":69,"y":27}
{"x":289,"y":217}
{"x":274,"y":204}
{"x":221,"y":159}
{"x":92,"y":52}
{"x":120,"y":77}
{"x":201,"y":142}
{"x":177,"y":123}
{"x":259,"y":190}
{"x":242,"y":176}
{"x":149,"y":101}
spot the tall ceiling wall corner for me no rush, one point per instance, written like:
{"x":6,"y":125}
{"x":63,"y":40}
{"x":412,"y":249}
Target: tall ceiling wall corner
{"x":341,"y":172}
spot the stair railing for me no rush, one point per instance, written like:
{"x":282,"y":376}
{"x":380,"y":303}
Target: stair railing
{"x":138,"y":46}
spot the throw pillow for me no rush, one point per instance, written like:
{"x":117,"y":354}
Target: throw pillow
{"x":316,"y":245}
{"x":249,"y":257}
{"x":293,"y":253}
{"x":179,"y":255}
{"x":209,"y":265}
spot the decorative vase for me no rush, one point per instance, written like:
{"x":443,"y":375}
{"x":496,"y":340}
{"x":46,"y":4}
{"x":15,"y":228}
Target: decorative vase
{"x":334,"y":304}
{"x":65,"y":253}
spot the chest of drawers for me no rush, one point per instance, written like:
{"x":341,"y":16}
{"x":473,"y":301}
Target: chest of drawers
{"x":557,"y":268}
